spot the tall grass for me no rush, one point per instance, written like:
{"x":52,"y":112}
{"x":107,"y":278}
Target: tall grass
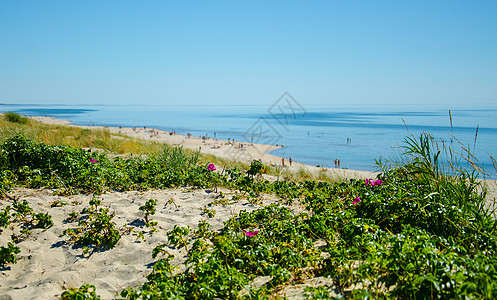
{"x":179,"y":158}
{"x":446,"y":171}
{"x":77,"y":137}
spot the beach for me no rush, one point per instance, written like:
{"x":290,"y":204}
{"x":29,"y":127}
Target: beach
{"x":49,"y":262}
{"x":222,"y":148}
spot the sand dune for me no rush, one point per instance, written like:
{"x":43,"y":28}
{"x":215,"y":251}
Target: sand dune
{"x":48,"y":261}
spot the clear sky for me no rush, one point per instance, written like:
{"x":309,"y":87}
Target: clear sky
{"x":248,"y":52}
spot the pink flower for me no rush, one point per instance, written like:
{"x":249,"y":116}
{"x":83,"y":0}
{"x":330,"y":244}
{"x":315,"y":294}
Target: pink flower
{"x":356,"y":200}
{"x":251,"y":233}
{"x":92,"y":161}
{"x":211,"y":167}
{"x":372,"y":182}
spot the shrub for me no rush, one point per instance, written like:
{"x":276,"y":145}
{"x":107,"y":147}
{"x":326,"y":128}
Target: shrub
{"x":15,"y":118}
{"x":85,"y":292}
{"x":96,"y":229}
{"x":8,"y":254}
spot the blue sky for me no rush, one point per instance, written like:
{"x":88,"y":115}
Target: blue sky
{"x":249,"y":52}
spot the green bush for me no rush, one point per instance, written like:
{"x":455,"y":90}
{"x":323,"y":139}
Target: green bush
{"x":96,"y":228}
{"x":85,"y":292}
{"x":33,"y":164}
{"x":8,"y":254}
{"x":15,"y":118}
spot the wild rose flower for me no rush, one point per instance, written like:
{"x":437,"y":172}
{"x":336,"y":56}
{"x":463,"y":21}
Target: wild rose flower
{"x":356,"y":200}
{"x":211,"y":167}
{"x":251,"y":233}
{"x":371,"y":182}
{"x":92,"y":161}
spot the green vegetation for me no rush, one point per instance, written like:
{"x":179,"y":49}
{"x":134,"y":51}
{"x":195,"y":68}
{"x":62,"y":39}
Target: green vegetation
{"x":5,"y":217}
{"x":15,"y":118}
{"x":417,"y":231}
{"x":118,"y":144}
{"x":42,"y":220}
{"x":149,"y":209}
{"x":85,"y":292}
{"x":34,"y":164}
{"x":96,"y":228}
{"x":396,"y":238}
{"x":8,"y":254}
{"x":60,"y":135}
{"x":22,"y":213}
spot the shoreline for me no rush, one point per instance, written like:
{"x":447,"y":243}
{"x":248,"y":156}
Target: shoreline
{"x":237,"y":151}
{"x":221,"y":148}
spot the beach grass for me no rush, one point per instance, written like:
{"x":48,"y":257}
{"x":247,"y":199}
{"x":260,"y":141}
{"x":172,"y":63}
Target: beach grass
{"x":102,"y":139}
{"x":15,"y":118}
{"x":96,"y":138}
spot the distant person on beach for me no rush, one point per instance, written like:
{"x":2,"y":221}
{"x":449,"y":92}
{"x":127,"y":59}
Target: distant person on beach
{"x":282,"y":162}
{"x":336,"y":163}
{"x":290,"y":160}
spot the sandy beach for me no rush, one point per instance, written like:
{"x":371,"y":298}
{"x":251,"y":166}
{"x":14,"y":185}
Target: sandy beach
{"x":238,"y":150}
{"x":49,"y":262}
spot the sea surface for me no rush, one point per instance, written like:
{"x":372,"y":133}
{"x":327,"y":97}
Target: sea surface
{"x":315,"y":135}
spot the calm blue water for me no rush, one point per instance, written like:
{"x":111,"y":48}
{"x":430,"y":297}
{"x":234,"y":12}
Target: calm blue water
{"x":314,"y":135}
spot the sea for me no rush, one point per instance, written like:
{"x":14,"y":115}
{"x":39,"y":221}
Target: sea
{"x":315,"y":134}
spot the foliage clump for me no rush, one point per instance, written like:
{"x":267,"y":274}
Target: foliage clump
{"x":8,"y":254}
{"x":96,"y":228}
{"x":85,"y":292}
{"x":149,"y":209}
{"x":20,"y":214}
{"x":33,"y":164}
{"x":15,"y":118}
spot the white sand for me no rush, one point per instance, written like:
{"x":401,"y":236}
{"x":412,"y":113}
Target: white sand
{"x":48,"y":261}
